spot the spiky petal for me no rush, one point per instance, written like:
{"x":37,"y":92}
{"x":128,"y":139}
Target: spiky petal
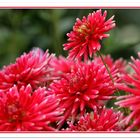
{"x":31,"y":68}
{"x":61,"y":65}
{"x":85,"y":38}
{"x":99,"y":120}
{"x":27,"y":110}
{"x":84,"y":86}
{"x":132,"y":100}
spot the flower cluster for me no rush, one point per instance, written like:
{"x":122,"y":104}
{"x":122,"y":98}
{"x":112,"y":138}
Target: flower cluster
{"x":24,"y":102}
{"x":42,"y":92}
{"x":131,"y":101}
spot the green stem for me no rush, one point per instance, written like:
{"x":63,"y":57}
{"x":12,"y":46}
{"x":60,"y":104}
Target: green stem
{"x":107,"y":68}
{"x":56,"y":32}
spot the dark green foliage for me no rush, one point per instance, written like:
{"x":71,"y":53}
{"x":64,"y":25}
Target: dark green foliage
{"x":21,"y":30}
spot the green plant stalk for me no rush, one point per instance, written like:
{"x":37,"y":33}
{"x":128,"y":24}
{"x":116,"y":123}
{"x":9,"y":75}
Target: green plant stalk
{"x":107,"y":68}
{"x":56,"y":33}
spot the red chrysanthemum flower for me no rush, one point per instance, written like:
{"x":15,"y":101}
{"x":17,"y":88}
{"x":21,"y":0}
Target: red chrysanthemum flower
{"x":86,"y":34}
{"x":31,"y":68}
{"x":84,"y":87}
{"x":61,"y":66}
{"x":132,"y":100}
{"x":27,"y":110}
{"x":103,"y":120}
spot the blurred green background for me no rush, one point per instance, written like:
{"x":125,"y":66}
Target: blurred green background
{"x":21,"y":30}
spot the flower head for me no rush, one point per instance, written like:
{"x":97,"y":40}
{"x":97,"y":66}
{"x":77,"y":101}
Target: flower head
{"x":31,"y":68}
{"x":61,"y":66}
{"x":83,"y":87}
{"x":85,"y":38}
{"x":27,"y":110}
{"x":132,"y":100}
{"x":103,"y":120}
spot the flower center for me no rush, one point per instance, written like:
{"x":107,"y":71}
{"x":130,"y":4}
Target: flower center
{"x":15,"y":113}
{"x":78,"y":85}
{"x":83,"y":29}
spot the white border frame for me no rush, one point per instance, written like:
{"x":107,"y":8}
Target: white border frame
{"x":69,"y":3}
